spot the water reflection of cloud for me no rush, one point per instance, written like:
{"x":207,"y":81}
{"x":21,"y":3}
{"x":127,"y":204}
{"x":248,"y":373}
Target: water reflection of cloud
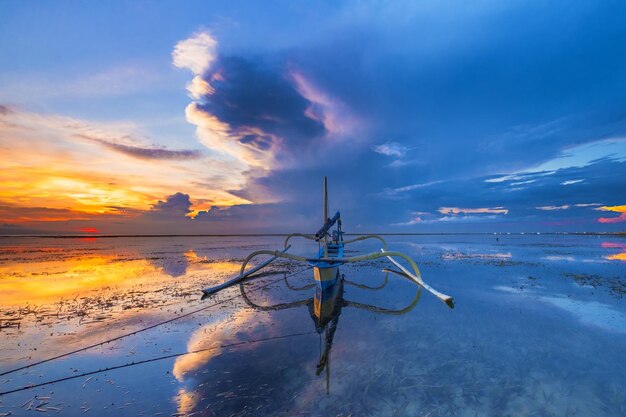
{"x":559,"y":258}
{"x":215,"y":333}
{"x":487,"y":256}
{"x":591,"y":313}
{"x":621,"y":256}
{"x":174,"y":265}
{"x":239,"y":326}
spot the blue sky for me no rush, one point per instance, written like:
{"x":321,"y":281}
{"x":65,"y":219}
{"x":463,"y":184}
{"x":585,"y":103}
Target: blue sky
{"x":217,"y":117}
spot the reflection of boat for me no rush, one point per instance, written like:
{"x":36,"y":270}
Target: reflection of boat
{"x":325,"y":308}
{"x":330,"y":256}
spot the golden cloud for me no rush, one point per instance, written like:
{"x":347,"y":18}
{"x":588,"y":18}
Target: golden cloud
{"x":68,"y":164}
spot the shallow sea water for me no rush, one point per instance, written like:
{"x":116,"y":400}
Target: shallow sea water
{"x":539,"y":328}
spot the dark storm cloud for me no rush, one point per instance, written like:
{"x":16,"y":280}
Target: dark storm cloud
{"x":175,"y":207}
{"x":259,"y":102}
{"x":478,"y":91}
{"x":258,"y":218}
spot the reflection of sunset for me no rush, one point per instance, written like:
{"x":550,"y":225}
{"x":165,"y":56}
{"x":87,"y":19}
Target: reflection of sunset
{"x":617,"y":245}
{"x":193,"y":256}
{"x":50,"y":281}
{"x":617,"y":257}
{"x":28,"y":283}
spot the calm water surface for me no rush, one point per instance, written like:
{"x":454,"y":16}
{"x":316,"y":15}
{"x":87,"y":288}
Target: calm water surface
{"x":539,"y":328}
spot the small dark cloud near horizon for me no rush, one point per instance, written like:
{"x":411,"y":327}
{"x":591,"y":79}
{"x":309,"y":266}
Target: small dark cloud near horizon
{"x":174,"y":207}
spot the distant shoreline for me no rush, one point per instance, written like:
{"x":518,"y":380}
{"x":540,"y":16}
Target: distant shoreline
{"x":75,"y":236}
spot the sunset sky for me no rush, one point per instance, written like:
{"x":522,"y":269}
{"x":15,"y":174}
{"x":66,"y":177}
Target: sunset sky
{"x":223,"y":117}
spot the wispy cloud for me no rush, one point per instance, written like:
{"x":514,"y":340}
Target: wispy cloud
{"x":413,"y":221}
{"x":587,"y":204}
{"x":391,"y":149}
{"x":337,"y":118}
{"x":570,"y":182}
{"x":400,"y":192}
{"x":479,"y":210}
{"x":142,"y":152}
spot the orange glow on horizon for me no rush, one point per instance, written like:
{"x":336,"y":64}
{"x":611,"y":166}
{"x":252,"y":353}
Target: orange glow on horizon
{"x":56,"y":169}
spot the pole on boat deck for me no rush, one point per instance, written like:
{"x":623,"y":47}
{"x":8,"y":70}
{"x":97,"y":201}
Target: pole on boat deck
{"x":325,"y":216}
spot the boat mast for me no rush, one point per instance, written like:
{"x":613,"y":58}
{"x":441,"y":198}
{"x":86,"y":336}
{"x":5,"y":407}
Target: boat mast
{"x":325,"y":216}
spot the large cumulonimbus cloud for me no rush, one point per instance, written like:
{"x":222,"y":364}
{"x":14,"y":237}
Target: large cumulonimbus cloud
{"x":258,"y":110}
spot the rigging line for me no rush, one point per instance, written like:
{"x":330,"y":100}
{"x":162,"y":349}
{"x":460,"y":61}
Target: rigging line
{"x":63,"y":355}
{"x":173,"y":355}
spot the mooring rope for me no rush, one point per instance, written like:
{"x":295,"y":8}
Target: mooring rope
{"x":114,"y":339}
{"x":173,"y":355}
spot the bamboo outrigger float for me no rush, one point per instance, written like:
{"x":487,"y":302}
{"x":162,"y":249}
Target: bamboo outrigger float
{"x":331,"y":256}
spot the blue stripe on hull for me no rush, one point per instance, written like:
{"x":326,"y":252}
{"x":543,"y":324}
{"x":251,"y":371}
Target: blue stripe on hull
{"x":326,"y":277}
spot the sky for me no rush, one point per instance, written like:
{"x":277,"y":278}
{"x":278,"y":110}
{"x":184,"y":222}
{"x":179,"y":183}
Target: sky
{"x":194,"y":117}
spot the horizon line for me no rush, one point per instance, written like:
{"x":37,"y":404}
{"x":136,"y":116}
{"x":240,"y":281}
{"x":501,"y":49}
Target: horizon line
{"x":60,"y":236}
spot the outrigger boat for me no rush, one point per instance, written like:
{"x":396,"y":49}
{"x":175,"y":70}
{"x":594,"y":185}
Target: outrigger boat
{"x":330,"y":256}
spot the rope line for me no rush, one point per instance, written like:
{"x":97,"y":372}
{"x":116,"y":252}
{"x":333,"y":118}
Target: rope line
{"x":173,"y":355}
{"x":73,"y":352}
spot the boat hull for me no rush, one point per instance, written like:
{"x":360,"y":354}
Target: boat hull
{"x":326,"y":277}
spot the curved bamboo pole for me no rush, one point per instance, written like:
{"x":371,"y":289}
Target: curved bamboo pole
{"x":303,"y":288}
{"x":382,"y":310}
{"x":367,"y":287}
{"x":274,"y":254}
{"x":275,"y":307}
{"x":367,"y":237}
{"x":310,"y":237}
{"x":345,"y":242}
